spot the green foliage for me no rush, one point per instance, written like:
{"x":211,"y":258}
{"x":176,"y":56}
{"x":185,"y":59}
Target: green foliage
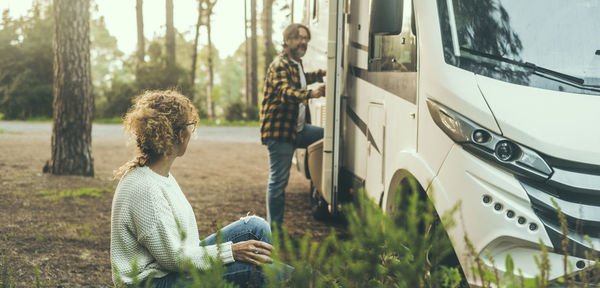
{"x":6,"y":280}
{"x":113,"y":120}
{"x":155,"y":74}
{"x":238,"y":111}
{"x":252,"y":113}
{"x":117,"y":99}
{"x":105,"y":56}
{"x":219,"y":122}
{"x":234,"y":111}
{"x":381,"y":251}
{"x":210,"y":277}
{"x":26,"y":73}
{"x":231,"y":75}
{"x":69,"y":193}
{"x":26,"y":64}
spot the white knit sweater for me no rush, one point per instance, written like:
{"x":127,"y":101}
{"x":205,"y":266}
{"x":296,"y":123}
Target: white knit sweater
{"x":144,"y":229}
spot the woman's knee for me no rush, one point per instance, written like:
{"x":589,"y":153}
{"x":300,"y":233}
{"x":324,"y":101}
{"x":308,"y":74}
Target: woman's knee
{"x":260,"y":227}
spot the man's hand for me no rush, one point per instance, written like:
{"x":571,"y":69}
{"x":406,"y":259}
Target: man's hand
{"x":319,"y":92}
{"x":252,"y":251}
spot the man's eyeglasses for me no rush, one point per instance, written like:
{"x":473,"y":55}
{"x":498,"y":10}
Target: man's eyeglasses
{"x":302,"y":38}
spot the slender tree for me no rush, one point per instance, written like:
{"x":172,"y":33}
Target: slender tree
{"x":269,"y":52}
{"x":196,"y":38}
{"x":73,"y":99}
{"x":170,"y":35}
{"x":246,"y":56}
{"x":141,"y":54}
{"x":292,"y":12}
{"x":210,"y":4}
{"x":254,"y":57}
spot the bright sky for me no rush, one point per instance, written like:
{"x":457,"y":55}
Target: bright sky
{"x":119,"y":15}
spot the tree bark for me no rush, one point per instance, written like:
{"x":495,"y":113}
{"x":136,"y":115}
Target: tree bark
{"x":246,"y":57}
{"x":196,"y":37}
{"x":141,"y":54}
{"x":209,"y":87}
{"x":268,"y":33}
{"x":292,"y":12}
{"x":254,"y":58}
{"x":73,"y":99}
{"x":170,"y":36}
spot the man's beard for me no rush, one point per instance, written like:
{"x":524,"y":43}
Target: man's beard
{"x":298,"y":51}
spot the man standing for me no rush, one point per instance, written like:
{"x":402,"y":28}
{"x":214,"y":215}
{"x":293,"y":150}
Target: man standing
{"x":284,"y":124}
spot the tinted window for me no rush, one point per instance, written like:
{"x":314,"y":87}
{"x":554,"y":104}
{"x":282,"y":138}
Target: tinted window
{"x":394,"y":51}
{"x":549,"y":44}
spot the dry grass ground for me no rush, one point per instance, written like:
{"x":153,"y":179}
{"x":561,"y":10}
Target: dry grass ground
{"x":61,"y":224}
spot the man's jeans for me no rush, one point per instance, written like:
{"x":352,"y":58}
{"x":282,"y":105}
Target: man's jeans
{"x":242,"y":274}
{"x":280,"y":161}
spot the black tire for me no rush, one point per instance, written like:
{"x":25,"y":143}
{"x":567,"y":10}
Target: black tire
{"x":450,"y":260}
{"x":318,"y":205}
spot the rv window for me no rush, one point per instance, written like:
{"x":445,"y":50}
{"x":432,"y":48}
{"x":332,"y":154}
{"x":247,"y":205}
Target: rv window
{"x":315,"y":13}
{"x":395,"y":52}
{"x":413,"y":20}
{"x":515,"y":41}
{"x":386,"y":17}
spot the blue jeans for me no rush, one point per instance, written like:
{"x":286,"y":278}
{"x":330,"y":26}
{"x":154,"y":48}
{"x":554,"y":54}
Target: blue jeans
{"x":242,"y":274}
{"x":280,"y":161}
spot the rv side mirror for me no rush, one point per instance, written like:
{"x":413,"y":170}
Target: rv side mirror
{"x":386,"y":17}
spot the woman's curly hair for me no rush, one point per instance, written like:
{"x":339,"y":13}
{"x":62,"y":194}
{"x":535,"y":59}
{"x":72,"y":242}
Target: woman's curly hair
{"x":154,"y":121}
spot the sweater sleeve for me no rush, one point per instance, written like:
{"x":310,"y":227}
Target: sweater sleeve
{"x":163,"y":236}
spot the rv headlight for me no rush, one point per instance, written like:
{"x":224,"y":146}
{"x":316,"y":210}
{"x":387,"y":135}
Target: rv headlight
{"x":488,"y":145}
{"x":506,"y":151}
{"x":481,"y":136}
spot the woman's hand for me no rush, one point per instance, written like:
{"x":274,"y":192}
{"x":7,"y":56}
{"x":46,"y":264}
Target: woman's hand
{"x":252,"y":251}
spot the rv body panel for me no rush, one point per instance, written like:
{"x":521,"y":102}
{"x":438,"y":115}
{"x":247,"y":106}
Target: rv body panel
{"x":553,"y":130}
{"x":489,"y":224}
{"x":389,"y":133}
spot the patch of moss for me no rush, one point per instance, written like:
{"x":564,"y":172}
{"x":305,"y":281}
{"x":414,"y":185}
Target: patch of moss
{"x":114,"y":120}
{"x":70,"y":193}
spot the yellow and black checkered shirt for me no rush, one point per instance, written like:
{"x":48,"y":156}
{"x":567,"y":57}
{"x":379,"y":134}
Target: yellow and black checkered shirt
{"x":282,"y":94}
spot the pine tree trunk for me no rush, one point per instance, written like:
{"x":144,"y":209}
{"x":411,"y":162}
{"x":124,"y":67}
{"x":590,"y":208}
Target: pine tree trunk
{"x":254,"y":58}
{"x":246,"y":57}
{"x":73,"y":99}
{"x":292,"y":12}
{"x":268,"y":33}
{"x":196,"y":37}
{"x":141,"y":54}
{"x":170,"y":36}
{"x":209,"y":87}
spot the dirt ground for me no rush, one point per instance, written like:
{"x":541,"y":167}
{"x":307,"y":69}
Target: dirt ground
{"x":67,"y":239}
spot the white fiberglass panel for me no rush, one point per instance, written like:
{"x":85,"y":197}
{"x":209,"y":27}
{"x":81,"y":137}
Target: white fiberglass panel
{"x":559,"y":124}
{"x":467,"y":179}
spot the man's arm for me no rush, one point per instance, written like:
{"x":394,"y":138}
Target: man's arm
{"x":284,"y":91}
{"x":315,"y":76}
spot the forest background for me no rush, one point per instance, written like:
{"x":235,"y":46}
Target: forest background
{"x":224,"y":87}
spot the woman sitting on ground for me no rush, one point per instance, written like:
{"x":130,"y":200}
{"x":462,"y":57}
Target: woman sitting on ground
{"x":150,"y":213}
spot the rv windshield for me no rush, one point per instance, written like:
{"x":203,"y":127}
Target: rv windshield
{"x":549,"y":44}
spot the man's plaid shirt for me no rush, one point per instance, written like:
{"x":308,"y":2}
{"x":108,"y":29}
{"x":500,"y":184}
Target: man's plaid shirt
{"x":282,"y":93}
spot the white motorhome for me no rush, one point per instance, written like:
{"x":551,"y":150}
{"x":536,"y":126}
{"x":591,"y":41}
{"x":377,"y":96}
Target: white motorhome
{"x":493,"y":103}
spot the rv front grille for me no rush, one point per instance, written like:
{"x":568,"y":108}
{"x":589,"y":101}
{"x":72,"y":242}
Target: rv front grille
{"x":575,"y":189}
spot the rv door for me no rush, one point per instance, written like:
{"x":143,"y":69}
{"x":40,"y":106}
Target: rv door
{"x":331,"y":140}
